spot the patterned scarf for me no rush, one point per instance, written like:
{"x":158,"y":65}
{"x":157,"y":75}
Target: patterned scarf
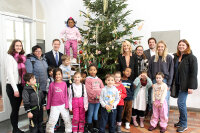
{"x":21,"y":59}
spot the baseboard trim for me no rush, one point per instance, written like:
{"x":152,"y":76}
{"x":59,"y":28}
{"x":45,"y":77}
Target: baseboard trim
{"x":188,"y":108}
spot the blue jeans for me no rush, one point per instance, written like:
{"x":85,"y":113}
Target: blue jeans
{"x":105,"y":116}
{"x":182,"y":97}
{"x":168,"y":94}
{"x":93,"y":109}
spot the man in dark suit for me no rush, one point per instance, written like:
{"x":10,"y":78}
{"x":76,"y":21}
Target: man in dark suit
{"x":54,"y":56}
{"x":149,"y":53}
{"x":152,"y":47}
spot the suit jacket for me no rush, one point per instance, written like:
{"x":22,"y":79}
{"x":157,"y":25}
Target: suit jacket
{"x":122,"y":64}
{"x":51,"y":60}
{"x":147,"y":54}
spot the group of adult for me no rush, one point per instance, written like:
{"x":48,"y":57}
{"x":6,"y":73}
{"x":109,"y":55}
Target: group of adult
{"x":179,"y":69}
{"x":17,"y":64}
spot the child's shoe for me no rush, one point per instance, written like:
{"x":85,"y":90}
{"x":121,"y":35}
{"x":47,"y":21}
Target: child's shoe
{"x":162,"y":130}
{"x":142,"y":122}
{"x":74,"y":61}
{"x":127,"y":125}
{"x":151,"y":128}
{"x":118,"y":129}
{"x":135,"y":121}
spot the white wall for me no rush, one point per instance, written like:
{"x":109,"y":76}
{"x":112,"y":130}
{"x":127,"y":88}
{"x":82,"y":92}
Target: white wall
{"x":58,"y":12}
{"x":158,"y":15}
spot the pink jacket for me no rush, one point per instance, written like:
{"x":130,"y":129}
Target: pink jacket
{"x":70,"y":34}
{"x":57,"y":95}
{"x":93,"y":85}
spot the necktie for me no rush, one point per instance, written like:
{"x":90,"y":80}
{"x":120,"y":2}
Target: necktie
{"x":56,"y":58}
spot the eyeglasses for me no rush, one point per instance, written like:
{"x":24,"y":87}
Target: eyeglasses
{"x":38,"y":51}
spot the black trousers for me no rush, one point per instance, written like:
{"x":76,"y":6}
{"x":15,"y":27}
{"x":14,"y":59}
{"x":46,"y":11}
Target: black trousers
{"x":45,"y":95}
{"x":15,"y":104}
{"x":137,"y":112}
{"x":119,"y":113}
{"x":37,"y":121}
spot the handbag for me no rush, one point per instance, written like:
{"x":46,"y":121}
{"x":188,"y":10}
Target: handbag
{"x":174,"y":90}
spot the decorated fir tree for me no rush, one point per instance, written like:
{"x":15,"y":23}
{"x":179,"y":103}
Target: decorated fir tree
{"x":104,"y":30}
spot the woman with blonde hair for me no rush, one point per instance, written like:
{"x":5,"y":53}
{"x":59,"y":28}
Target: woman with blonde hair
{"x":126,"y":58}
{"x":185,"y":79}
{"x":162,"y":62}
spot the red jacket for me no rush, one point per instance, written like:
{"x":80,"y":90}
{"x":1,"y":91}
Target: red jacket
{"x":122,"y":93}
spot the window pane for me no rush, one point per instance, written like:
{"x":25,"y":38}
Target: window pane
{"x":9,"y":29}
{"x":19,"y":30}
{"x":27,"y":38}
{"x":8,"y":45}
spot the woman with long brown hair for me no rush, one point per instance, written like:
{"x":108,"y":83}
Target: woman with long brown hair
{"x":185,"y":77}
{"x":15,"y":68}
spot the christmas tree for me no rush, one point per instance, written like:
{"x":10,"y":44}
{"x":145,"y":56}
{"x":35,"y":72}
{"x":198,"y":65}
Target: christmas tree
{"x":104,"y":30}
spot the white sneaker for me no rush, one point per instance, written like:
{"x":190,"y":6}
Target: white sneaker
{"x":127,"y":125}
{"x":74,"y":61}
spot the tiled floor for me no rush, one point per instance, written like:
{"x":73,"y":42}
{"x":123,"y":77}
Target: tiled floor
{"x":193,"y":124}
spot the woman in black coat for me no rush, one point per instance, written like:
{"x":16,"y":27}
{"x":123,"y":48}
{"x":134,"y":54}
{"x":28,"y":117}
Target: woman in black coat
{"x":185,"y":77}
{"x":126,"y":59}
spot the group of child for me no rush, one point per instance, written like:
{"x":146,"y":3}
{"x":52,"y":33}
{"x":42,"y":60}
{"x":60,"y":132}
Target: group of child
{"x":120,"y":99}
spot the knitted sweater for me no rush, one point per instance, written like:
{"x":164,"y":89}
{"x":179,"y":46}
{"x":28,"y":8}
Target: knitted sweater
{"x":93,"y":85}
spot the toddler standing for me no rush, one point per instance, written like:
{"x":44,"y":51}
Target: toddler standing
{"x":57,"y":101}
{"x":128,"y":84}
{"x":160,"y":107}
{"x":140,"y":98}
{"x":122,"y":95}
{"x":34,"y":103}
{"x":78,"y":103}
{"x":109,"y":99}
{"x":93,"y":85}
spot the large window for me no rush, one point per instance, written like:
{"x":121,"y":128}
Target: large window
{"x":18,"y":29}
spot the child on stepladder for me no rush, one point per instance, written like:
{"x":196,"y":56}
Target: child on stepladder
{"x":57,"y":101}
{"x":128,"y":84}
{"x":93,"y":85}
{"x":109,"y":99}
{"x":122,"y":95}
{"x":78,"y":103}
{"x":140,"y":98}
{"x":160,"y":107}
{"x":70,"y":36}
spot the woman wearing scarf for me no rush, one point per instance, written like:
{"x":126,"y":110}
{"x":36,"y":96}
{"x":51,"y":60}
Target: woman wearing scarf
{"x":14,"y":85}
{"x":141,"y":62}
